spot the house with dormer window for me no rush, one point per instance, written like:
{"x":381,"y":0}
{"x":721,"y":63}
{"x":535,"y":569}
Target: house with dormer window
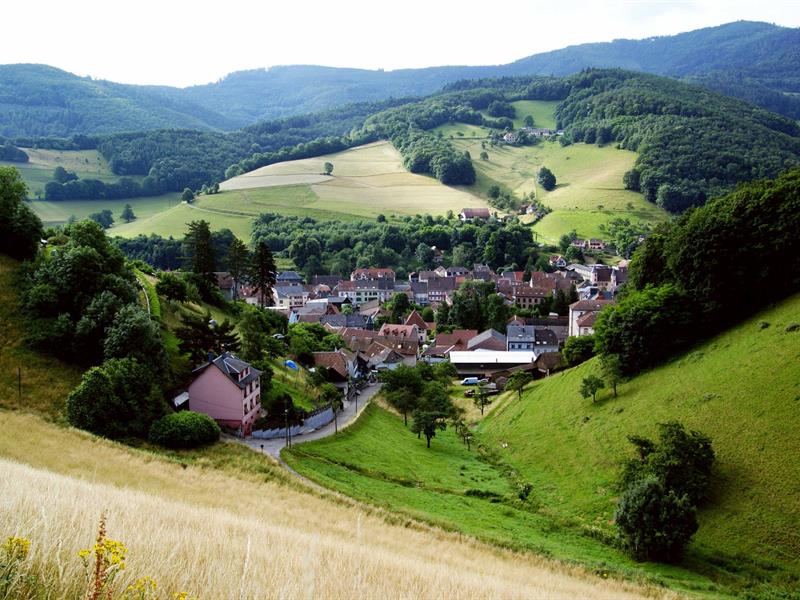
{"x":228,"y":390}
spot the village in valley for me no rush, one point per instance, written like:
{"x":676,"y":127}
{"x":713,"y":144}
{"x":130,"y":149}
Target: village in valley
{"x":356,"y":309}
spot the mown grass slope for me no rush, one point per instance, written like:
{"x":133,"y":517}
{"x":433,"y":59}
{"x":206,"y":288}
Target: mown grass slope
{"x":742,"y":388}
{"x":87,"y":164}
{"x":367,"y":181}
{"x":542,"y":111}
{"x":58,"y":213}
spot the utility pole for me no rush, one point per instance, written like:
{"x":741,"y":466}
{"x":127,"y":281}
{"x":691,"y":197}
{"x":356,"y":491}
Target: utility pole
{"x":286,"y":424}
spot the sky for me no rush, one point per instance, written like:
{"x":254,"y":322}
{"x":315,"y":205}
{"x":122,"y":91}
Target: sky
{"x":184,"y":42}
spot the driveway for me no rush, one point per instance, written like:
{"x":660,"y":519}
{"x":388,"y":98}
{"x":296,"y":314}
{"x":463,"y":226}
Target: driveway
{"x":346,"y":416}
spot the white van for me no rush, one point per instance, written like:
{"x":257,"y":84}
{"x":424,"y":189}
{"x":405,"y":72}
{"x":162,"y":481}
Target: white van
{"x":469,"y":381}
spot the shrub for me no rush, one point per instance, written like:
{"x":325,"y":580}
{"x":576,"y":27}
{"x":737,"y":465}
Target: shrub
{"x":94,"y":407}
{"x":117,"y":399}
{"x":578,"y":349}
{"x":655,"y":523}
{"x":185,"y":429}
{"x":680,"y":460}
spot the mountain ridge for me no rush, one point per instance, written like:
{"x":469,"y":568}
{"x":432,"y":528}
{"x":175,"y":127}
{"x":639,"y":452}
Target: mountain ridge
{"x":754,"y":61}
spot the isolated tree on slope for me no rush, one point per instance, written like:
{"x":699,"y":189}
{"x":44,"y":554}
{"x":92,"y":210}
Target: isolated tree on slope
{"x":328,"y":168}
{"x":127,"y":214}
{"x":546,"y":179}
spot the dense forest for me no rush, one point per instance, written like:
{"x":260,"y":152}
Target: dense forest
{"x":712,"y":267}
{"x":753,"y":61}
{"x":42,"y":101}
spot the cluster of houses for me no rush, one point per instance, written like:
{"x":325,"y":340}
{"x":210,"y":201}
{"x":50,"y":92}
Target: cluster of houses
{"x":511,"y":137}
{"x":228,"y":389}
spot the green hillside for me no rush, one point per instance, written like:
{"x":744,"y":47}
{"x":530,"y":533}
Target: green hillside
{"x":742,"y":388}
{"x":570,"y":450}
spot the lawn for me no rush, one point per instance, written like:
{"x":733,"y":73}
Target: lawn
{"x":57,"y":213}
{"x":379,"y":460}
{"x":728,"y":388}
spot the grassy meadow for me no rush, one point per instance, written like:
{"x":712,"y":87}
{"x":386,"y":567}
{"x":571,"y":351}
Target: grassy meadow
{"x":87,"y":164}
{"x":58,"y":213}
{"x":542,"y":111}
{"x":378,"y":460}
{"x":589,"y":191}
{"x":367,"y":181}
{"x":569,"y":450}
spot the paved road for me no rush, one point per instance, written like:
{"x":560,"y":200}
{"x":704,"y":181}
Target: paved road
{"x":346,"y":416}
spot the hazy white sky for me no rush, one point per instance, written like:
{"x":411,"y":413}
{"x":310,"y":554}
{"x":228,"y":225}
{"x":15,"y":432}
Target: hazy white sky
{"x":182,"y":42}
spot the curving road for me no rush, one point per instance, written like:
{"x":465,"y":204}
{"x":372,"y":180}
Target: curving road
{"x":345,"y":417}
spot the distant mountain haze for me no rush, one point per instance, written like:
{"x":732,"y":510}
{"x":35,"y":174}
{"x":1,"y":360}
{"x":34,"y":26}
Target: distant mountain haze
{"x":757,"y":62}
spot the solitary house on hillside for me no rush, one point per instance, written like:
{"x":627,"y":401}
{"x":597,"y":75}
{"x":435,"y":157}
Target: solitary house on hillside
{"x":228,"y":390}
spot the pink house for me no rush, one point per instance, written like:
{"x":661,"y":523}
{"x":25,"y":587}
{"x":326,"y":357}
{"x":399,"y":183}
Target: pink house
{"x":228,"y":390}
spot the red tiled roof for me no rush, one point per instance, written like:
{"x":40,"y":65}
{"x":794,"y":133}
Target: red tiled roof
{"x":391,"y":330}
{"x":335,"y":361}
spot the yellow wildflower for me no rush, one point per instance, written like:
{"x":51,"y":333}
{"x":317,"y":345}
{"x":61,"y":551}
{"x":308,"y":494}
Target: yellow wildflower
{"x":16,"y":548}
{"x":84,"y":553}
{"x":142,"y":589}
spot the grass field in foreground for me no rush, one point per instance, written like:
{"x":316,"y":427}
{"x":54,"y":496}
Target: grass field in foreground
{"x":379,"y":460}
{"x":742,"y":388}
{"x":589,"y":189}
{"x":225,"y":520}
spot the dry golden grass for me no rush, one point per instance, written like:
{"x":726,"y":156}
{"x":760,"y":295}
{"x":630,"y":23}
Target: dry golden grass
{"x":219,"y":536}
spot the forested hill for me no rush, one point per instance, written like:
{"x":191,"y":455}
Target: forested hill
{"x":693,"y":144}
{"x":757,"y":62}
{"x":42,"y":101}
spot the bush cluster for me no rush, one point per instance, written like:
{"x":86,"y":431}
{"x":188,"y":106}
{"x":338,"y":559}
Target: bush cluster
{"x":663,"y":484}
{"x":185,"y":429}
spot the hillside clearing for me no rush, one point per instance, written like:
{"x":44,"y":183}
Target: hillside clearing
{"x":542,"y":111}
{"x":58,"y":213}
{"x":589,"y":191}
{"x":87,"y":164}
{"x":176,"y":519}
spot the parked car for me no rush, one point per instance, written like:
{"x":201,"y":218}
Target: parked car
{"x":470,"y":381}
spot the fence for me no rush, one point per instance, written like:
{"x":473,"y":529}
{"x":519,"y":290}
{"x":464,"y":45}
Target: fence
{"x":315,"y":420}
